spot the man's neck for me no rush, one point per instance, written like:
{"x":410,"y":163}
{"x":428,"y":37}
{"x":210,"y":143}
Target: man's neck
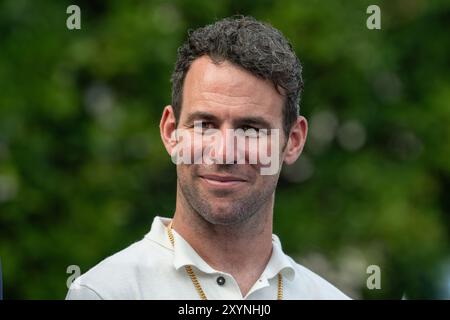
{"x":242,"y":250}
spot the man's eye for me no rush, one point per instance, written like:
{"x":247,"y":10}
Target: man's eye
{"x":207,"y":125}
{"x":246,"y":128}
{"x":249,"y":131}
{"x":203,"y":125}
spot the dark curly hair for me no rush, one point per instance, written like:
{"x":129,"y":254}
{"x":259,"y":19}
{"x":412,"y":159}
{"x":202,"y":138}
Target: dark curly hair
{"x":255,"y":46}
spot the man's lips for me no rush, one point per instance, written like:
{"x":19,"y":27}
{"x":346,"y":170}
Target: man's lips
{"x":222,"y":180}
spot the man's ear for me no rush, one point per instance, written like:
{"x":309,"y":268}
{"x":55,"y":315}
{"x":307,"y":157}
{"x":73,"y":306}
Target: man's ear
{"x":296,"y":140}
{"x":167,"y":127}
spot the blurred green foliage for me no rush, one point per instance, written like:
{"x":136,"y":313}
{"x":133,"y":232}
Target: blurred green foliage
{"x":83,"y":170}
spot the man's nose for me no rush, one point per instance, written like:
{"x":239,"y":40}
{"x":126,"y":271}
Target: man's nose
{"x":225,"y":149}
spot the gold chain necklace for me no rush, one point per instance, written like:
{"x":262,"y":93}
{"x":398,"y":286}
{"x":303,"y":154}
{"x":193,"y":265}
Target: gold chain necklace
{"x":195,"y":281}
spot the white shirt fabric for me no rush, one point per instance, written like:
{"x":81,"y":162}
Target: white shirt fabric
{"x":153,"y":269}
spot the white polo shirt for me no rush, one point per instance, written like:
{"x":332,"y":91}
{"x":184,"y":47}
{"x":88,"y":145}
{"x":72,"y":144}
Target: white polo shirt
{"x":152,"y":269}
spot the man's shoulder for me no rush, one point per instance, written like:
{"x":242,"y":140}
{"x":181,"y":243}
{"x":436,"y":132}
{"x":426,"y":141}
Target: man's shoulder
{"x":313,"y":286}
{"x":119,"y":275}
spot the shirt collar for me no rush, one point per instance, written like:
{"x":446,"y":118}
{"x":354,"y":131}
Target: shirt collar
{"x":279,"y":262}
{"x":185,"y":255}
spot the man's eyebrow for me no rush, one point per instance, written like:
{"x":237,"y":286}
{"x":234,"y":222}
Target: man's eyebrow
{"x":200,"y":115}
{"x":251,"y":120}
{"x":254,"y":120}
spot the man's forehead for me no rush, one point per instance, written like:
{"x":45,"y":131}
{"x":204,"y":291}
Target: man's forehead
{"x":224,"y":77}
{"x":225,"y":86}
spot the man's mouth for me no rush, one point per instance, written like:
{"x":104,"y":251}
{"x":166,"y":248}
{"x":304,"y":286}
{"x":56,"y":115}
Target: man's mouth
{"x":222,"y":181}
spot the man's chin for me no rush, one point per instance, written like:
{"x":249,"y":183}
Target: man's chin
{"x":225,"y":217}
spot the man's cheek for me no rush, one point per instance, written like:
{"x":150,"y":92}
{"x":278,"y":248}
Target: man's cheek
{"x":269,"y":153}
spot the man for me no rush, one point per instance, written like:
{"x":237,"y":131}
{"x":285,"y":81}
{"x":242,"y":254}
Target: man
{"x":236,"y":74}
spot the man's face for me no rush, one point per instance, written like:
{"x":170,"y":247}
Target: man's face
{"x":223,"y":96}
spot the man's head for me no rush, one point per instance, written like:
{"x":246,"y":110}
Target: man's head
{"x":252,"y":45}
{"x":235,"y":74}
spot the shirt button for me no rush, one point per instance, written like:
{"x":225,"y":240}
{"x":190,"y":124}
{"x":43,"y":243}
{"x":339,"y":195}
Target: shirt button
{"x":220,"y":281}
